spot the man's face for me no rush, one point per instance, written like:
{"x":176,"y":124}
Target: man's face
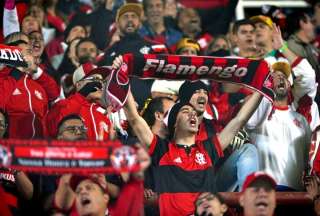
{"x":280,"y":84}
{"x":308,"y":28}
{"x":167,"y":104}
{"x":76,"y":32}
{"x":207,"y":204}
{"x":87,"y":52}
{"x":220,"y":43}
{"x":258,"y":201}
{"x":90,"y":200}
{"x":128,"y":23}
{"x":189,"y":51}
{"x":30,"y":24}
{"x":187,"y":120}
{"x":154,"y":11}
{"x":189,"y":21}
{"x":37,"y":43}
{"x":263,"y":33}
{"x":72,"y":130}
{"x":199,"y":100}
{"x":245,"y":37}
{"x":3,"y":125}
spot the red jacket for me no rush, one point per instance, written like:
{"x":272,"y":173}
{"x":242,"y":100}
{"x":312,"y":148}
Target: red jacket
{"x":26,"y":103}
{"x":95,"y":120}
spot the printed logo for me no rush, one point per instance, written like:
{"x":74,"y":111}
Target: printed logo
{"x":177,"y":160}
{"x":200,"y":158}
{"x":145,"y":50}
{"x":38,"y":94}
{"x":297,"y":123}
{"x":16,"y":92}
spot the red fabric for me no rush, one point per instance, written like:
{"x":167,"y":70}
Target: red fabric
{"x":4,"y":209}
{"x":49,"y":84}
{"x":176,"y":199}
{"x":204,"y":4}
{"x":54,"y":48}
{"x":22,"y":9}
{"x":77,"y":104}
{"x":304,"y":107}
{"x":56,"y":22}
{"x":316,"y":162}
{"x":16,"y":102}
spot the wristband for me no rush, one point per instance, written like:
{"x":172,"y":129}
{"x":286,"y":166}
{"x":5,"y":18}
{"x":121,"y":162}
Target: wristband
{"x":284,"y":47}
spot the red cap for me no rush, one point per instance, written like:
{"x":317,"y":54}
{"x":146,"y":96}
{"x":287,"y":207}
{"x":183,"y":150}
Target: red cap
{"x":77,"y":179}
{"x":255,"y":176}
{"x":88,"y":69}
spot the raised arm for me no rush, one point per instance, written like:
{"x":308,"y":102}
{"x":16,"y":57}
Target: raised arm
{"x":138,"y":124}
{"x":64,"y":196}
{"x":232,"y":128}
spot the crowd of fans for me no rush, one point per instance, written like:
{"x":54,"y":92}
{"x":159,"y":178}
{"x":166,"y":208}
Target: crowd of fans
{"x":203,"y":137}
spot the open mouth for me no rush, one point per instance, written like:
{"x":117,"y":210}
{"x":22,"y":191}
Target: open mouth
{"x":85,"y":201}
{"x":261,"y":204}
{"x":193,"y":122}
{"x":281,"y":86}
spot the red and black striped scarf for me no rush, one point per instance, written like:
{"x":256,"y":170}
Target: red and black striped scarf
{"x":253,"y":74}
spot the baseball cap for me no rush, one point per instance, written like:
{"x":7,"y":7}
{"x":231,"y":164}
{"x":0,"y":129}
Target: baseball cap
{"x":282,"y":66}
{"x":258,"y":176}
{"x":129,"y":7}
{"x":88,"y":69}
{"x":166,"y":86}
{"x":264,"y":19}
{"x":187,"y":42}
{"x":77,"y":179}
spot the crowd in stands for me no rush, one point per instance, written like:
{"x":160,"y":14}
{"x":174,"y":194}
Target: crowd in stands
{"x":194,"y":139}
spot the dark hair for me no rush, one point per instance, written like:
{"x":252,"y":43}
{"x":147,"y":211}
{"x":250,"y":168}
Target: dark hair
{"x":6,"y":118}
{"x":83,"y":40}
{"x":294,"y":21}
{"x":155,"y":105}
{"x":14,"y":38}
{"x":68,"y":117}
{"x":239,"y":23}
{"x":146,"y":2}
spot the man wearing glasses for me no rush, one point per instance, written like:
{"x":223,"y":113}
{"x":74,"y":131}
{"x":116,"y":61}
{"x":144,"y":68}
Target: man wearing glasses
{"x":72,"y":128}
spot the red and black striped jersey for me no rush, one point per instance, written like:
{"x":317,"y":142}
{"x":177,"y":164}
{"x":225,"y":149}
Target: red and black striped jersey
{"x":181,"y":172}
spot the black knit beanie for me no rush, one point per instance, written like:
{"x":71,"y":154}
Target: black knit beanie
{"x":188,"y":88}
{"x":172,"y":117}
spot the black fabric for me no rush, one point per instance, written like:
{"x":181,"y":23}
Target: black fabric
{"x":16,"y":74}
{"x":193,"y":181}
{"x":188,"y":88}
{"x":89,"y":88}
{"x":173,"y":117}
{"x":100,"y":33}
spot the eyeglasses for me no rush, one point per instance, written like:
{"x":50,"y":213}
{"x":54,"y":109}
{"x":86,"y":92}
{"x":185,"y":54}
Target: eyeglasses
{"x":75,"y":129}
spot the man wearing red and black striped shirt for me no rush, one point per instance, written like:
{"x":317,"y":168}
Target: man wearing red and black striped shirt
{"x":182,"y":166}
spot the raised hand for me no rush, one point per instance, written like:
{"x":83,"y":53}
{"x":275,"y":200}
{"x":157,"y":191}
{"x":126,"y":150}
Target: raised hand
{"x":117,"y":62}
{"x":277,"y":40}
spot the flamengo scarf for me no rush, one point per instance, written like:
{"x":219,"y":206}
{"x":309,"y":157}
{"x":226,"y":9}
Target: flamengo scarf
{"x":253,"y":74}
{"x":10,"y":55}
{"x":58,"y":157}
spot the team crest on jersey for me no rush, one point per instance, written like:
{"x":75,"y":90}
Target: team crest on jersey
{"x":145,"y":50}
{"x":38,"y":94}
{"x":200,"y":158}
{"x":297,"y":123}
